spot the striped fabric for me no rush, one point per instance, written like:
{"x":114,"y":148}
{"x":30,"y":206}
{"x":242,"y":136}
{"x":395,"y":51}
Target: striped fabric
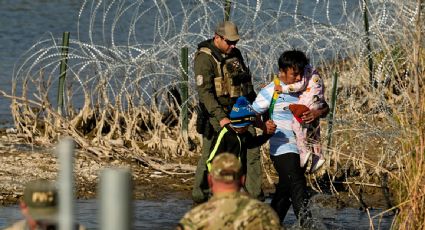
{"x":283,"y":141}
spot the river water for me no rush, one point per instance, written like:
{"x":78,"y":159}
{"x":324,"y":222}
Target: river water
{"x":24,"y":22}
{"x":165,"y":213}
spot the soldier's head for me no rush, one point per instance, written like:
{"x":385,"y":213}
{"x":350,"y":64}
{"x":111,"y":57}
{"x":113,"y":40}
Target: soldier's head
{"x":39,"y":202}
{"x":241,"y":115}
{"x":226,"y":173}
{"x":291,"y":66}
{"x":226,"y":36}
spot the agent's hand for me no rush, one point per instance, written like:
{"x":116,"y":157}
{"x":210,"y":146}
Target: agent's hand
{"x":270,"y":127}
{"x":224,"y":121}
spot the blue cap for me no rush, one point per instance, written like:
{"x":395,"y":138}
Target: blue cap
{"x":242,"y":114}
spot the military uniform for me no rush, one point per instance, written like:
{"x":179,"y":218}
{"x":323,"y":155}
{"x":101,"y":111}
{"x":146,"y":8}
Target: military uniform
{"x":216,"y":101}
{"x":231,"y":211}
{"x":228,"y":208}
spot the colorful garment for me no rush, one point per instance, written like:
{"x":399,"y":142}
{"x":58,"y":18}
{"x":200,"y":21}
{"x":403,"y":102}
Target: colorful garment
{"x":283,"y":141}
{"x":312,"y":89}
{"x":291,"y":187}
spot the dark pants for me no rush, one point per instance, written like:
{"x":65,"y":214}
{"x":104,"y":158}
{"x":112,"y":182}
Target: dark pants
{"x":200,"y":190}
{"x":291,"y":188}
{"x":253,"y":181}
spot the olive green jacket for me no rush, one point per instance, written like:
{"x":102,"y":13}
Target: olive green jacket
{"x":205,"y":69}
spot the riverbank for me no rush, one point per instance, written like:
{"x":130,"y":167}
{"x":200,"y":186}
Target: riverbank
{"x":22,"y":162}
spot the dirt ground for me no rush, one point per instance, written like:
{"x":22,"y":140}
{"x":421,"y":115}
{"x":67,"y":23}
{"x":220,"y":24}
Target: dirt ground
{"x":22,"y":162}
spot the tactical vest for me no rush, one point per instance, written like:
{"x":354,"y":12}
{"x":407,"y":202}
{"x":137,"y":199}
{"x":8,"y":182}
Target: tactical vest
{"x":227,"y":83}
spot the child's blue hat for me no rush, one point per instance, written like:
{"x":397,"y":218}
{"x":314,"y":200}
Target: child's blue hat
{"x":242,"y":113}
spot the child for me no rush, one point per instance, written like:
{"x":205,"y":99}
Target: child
{"x":312,"y":97}
{"x":234,"y":138}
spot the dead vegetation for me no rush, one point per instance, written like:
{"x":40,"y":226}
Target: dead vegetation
{"x":120,"y":102}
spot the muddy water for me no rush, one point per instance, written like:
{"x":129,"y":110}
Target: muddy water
{"x":164,"y":214}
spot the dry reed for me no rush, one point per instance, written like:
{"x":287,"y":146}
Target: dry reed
{"x":121,"y":102}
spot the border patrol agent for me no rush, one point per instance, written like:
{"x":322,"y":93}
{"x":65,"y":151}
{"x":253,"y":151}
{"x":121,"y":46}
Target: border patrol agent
{"x":221,"y":77}
{"x":39,"y":207}
{"x":228,"y":208}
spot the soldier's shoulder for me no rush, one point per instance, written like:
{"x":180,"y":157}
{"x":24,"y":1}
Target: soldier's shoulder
{"x":198,"y":211}
{"x":197,"y":216}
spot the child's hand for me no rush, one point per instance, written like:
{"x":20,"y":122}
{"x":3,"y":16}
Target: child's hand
{"x":270,"y":127}
{"x":224,"y":122}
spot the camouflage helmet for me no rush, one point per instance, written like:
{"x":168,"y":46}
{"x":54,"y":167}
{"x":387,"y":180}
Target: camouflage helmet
{"x":226,"y":167}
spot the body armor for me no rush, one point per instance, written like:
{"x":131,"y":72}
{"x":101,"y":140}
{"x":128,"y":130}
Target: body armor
{"x":232,"y":76}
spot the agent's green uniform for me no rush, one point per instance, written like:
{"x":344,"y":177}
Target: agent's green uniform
{"x":231,"y":211}
{"x":217,"y":108}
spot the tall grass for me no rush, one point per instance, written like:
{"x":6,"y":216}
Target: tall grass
{"x":411,"y":186}
{"x":122,"y":97}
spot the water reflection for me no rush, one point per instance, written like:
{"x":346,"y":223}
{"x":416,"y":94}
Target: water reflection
{"x":164,"y":214}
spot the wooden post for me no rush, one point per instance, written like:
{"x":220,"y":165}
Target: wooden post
{"x":63,"y":67}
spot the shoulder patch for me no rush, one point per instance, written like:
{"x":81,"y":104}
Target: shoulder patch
{"x":199,"y":80}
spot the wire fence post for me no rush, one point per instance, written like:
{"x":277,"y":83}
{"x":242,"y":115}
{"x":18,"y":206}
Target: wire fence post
{"x":184,"y":90}
{"x":227,"y":7}
{"x":115,"y":199}
{"x":372,"y":81}
{"x":63,"y":67}
{"x":65,"y":152}
{"x":332,"y":110}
